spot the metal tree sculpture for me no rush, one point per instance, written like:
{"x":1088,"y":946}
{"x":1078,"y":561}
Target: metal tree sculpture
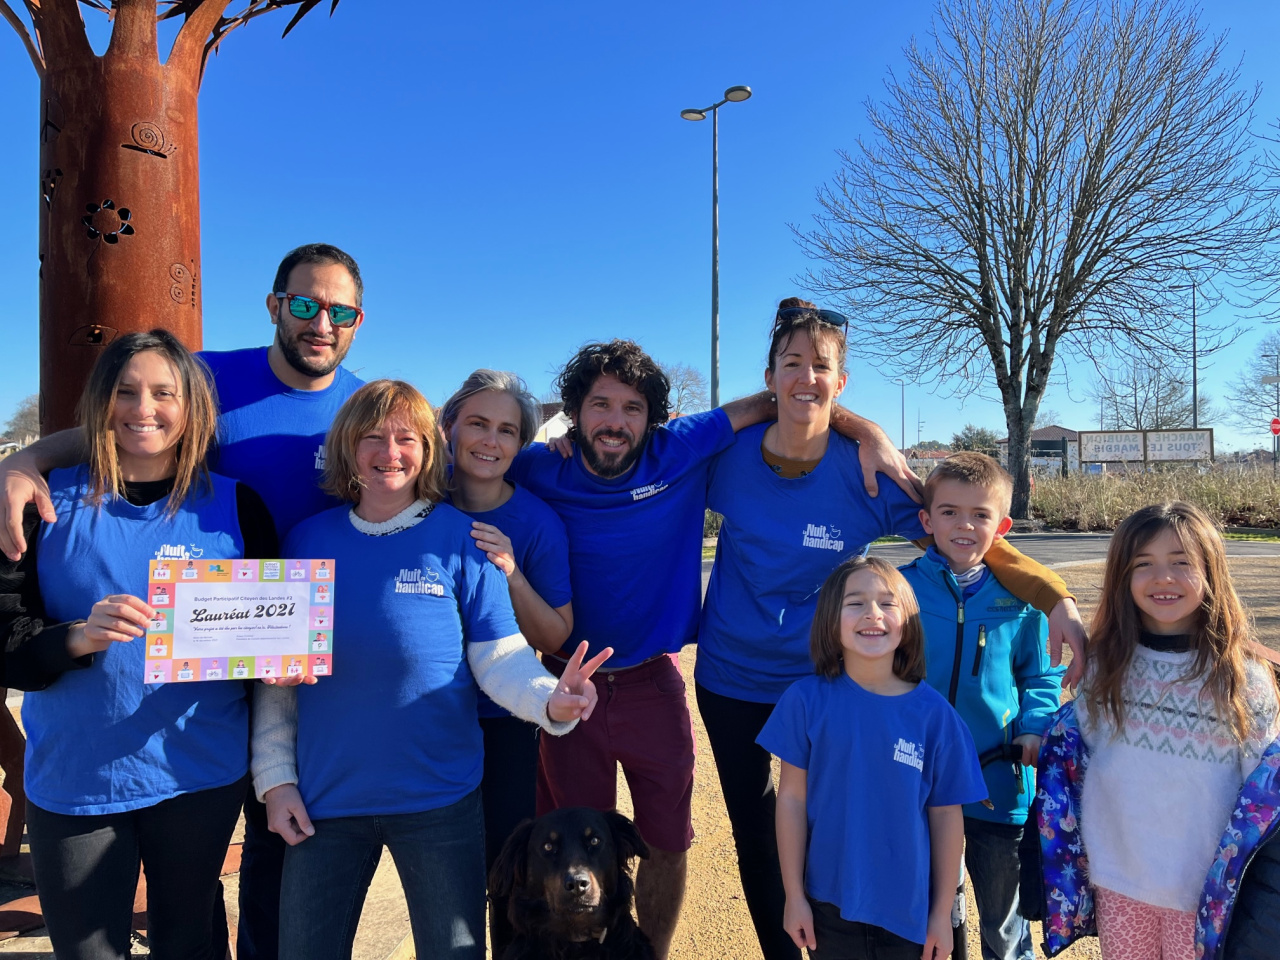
{"x":119,"y":176}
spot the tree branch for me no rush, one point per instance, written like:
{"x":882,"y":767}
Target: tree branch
{"x":33,"y":51}
{"x":59,"y":31}
{"x":189,"y":53}
{"x":134,"y":31}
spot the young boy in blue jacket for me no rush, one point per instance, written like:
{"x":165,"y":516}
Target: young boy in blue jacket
{"x":986,"y":652}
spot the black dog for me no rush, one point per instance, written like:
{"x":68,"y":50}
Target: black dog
{"x":568,"y":888}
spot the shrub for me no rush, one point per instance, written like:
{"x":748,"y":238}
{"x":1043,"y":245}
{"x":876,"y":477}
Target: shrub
{"x":1088,"y":502}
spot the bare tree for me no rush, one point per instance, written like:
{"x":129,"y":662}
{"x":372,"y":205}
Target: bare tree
{"x":1254,"y":403}
{"x":688,"y":388}
{"x":119,"y":241}
{"x":1039,"y":180}
{"x":25,"y":421}
{"x":1147,"y":395}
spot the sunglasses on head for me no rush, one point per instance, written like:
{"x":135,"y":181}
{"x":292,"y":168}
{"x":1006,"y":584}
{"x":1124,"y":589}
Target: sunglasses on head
{"x":305,"y":308}
{"x":789,"y":315}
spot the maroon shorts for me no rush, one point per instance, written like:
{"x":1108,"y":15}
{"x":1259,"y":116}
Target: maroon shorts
{"x":642,"y":722}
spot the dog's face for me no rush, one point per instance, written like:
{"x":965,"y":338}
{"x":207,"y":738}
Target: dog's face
{"x":575,"y":861}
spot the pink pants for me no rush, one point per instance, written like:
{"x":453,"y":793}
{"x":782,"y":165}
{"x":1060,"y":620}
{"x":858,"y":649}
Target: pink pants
{"x":1129,"y":929}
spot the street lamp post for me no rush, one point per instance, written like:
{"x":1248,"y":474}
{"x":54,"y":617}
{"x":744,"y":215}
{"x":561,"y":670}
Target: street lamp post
{"x":1195,"y":380}
{"x":732,"y":95}
{"x":902,"y":383}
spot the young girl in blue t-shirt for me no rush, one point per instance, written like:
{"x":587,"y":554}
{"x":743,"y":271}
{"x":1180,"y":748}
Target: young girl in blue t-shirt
{"x":875,"y":767}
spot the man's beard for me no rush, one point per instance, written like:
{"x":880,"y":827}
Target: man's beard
{"x":309,"y":368}
{"x":608,"y":466}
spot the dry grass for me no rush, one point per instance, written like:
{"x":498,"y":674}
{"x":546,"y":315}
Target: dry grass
{"x":1081,"y":502}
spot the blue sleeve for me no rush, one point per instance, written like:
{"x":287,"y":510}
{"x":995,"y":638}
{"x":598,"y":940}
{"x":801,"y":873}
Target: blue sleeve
{"x":786,"y":733}
{"x":1039,"y":683}
{"x":903,"y":513}
{"x":484,"y":603}
{"x":545,"y":561}
{"x":703,"y":434}
{"x":955,"y":775}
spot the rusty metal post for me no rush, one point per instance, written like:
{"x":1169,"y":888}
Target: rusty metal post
{"x":119,"y":205}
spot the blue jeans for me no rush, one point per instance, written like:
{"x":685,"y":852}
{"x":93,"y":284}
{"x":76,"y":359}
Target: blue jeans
{"x":439,"y":855}
{"x":991,"y":857}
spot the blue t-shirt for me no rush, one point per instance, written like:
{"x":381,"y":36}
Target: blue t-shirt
{"x":100,"y":741}
{"x":394,"y":729}
{"x":270,"y":436}
{"x":874,"y":764}
{"x":542,"y":553}
{"x":635,"y":542}
{"x":779,"y":542}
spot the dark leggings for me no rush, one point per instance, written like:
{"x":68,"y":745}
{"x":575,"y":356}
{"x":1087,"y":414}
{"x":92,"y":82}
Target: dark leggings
{"x":86,"y":870}
{"x":747,"y":783}
{"x":261,"y":867}
{"x":508,"y":794}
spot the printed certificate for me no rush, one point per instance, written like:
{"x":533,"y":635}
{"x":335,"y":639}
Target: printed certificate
{"x":239,"y":619}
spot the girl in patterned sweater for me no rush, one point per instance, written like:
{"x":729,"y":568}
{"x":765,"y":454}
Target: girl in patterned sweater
{"x":1175,"y":712}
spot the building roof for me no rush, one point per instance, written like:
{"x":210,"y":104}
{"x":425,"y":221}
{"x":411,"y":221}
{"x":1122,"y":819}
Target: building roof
{"x":1051,"y":432}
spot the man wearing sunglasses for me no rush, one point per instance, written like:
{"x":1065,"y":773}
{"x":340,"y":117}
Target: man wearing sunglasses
{"x":276,"y":404}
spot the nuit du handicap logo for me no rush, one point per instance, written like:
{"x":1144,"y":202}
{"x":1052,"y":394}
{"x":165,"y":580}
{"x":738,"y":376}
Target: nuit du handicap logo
{"x":912,"y":754}
{"x":419,"y":581}
{"x":822,"y":537}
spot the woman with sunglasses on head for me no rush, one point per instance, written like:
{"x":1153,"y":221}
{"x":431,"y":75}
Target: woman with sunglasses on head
{"x":119,"y":773}
{"x":388,"y":750}
{"x":487,"y":421}
{"x":794,"y":506}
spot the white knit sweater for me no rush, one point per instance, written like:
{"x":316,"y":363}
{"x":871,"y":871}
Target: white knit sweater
{"x":1158,"y":796}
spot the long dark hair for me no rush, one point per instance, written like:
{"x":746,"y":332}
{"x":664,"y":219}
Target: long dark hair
{"x":199,"y":407}
{"x":1220,"y":638}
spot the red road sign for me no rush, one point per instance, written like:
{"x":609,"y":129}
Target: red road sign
{"x":1275,"y":426}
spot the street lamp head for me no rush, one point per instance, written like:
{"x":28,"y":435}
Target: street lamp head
{"x":692,"y":114}
{"x":737,"y":94}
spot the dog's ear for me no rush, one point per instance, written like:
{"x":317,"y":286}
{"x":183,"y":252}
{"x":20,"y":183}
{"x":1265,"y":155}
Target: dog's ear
{"x":511,"y":868}
{"x":626,"y":839}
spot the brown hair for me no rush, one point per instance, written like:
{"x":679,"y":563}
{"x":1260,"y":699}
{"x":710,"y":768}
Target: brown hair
{"x":818,"y":330}
{"x":618,"y":358}
{"x":1220,"y":639}
{"x":366,"y":409}
{"x":825,"y":648}
{"x":976,"y":470}
{"x":199,"y":410}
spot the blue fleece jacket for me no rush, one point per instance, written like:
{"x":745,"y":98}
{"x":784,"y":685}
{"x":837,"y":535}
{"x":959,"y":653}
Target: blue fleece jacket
{"x":987,"y":654}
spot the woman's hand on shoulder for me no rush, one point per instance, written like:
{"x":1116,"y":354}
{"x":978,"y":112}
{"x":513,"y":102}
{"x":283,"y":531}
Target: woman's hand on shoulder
{"x":118,"y":618}
{"x":561,"y":445}
{"x":287,"y":814}
{"x":496,"y":545}
{"x":575,"y":695}
{"x":797,"y":919}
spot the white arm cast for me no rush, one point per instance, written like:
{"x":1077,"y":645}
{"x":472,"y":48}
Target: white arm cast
{"x":274,"y":757}
{"x":509,"y":672}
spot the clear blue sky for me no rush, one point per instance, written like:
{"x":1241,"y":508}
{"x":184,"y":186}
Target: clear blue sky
{"x":515,"y":179}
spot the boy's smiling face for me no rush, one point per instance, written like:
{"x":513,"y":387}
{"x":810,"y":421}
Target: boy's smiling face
{"x":965,"y":519}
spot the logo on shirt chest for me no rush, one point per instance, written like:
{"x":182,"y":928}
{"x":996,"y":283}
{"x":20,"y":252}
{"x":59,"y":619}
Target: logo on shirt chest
{"x":821,"y":537}
{"x":320,"y":457}
{"x":419,"y":581}
{"x":648,"y":490}
{"x":912,"y":754}
{"x":169,"y":551}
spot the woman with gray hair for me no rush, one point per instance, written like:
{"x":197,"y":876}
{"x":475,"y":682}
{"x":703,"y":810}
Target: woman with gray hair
{"x":486,"y":423}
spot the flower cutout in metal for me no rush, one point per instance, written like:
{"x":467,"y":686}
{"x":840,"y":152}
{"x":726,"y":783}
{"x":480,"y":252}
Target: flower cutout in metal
{"x":105,"y":222}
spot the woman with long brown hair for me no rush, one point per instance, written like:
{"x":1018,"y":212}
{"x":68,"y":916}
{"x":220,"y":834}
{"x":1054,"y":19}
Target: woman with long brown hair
{"x":118,"y":773}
